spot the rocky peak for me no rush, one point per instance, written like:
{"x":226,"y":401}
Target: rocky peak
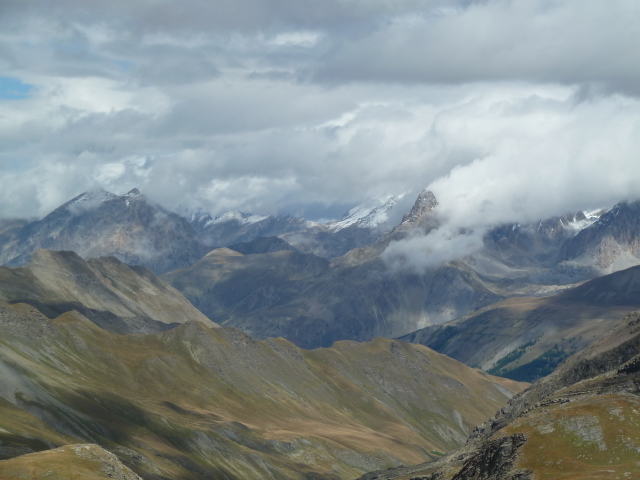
{"x":421,"y":216}
{"x":424,"y":204}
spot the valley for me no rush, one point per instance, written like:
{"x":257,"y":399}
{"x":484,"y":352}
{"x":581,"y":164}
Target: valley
{"x":267,"y":358}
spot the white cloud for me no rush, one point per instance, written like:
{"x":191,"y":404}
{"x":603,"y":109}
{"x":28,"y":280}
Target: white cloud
{"x":421,"y":252}
{"x":507,"y":110}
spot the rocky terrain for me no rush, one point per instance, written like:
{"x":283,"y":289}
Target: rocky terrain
{"x":278,"y":287}
{"x":87,"y":462}
{"x":314,"y":302}
{"x":581,"y":421}
{"x":610,"y":244}
{"x":359,"y":227}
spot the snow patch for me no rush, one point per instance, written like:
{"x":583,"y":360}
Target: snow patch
{"x":371,"y":214}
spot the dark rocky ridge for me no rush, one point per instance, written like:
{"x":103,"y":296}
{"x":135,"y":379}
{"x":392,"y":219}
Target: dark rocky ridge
{"x":610,"y":244}
{"x":262,"y":245}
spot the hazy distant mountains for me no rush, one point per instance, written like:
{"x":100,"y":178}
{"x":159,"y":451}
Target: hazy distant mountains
{"x":315,"y":302}
{"x":360,"y":226}
{"x":526,"y":338}
{"x":99,"y":223}
{"x":138,"y":231}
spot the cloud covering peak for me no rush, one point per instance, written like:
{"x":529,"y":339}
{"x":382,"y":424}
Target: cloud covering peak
{"x":508,"y":111}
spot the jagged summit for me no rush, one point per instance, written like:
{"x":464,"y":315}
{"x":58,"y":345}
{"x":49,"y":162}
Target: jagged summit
{"x":425,"y":202}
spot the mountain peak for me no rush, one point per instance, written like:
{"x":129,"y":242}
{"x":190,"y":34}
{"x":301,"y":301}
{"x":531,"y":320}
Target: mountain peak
{"x":424,"y":204}
{"x":134,"y":192}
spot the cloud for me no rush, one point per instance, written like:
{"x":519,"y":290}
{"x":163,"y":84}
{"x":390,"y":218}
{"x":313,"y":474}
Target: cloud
{"x":508,"y":110}
{"x":567,"y":42}
{"x":422,"y":252}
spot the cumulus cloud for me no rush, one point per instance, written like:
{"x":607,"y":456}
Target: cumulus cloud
{"x":508,"y":111}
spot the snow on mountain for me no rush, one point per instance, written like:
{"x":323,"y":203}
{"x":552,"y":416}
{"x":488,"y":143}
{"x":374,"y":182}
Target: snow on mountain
{"x":372,"y":214}
{"x":236,"y":216}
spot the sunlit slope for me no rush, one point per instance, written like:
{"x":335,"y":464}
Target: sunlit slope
{"x":199,"y":402}
{"x":102,"y":288}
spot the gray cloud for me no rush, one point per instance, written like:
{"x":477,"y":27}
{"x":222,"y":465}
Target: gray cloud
{"x":508,"y":110}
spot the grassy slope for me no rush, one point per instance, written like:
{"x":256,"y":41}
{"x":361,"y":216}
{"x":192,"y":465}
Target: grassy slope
{"x":593,"y":438}
{"x":580,"y":422}
{"x":197,"y":402}
{"x":54,"y":279}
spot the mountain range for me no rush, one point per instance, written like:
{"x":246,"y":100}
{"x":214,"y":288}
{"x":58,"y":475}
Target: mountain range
{"x":271,"y":354}
{"x":196,"y":401}
{"x":279,"y":287}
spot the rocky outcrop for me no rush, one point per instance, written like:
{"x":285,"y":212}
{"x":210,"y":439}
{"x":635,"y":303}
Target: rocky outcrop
{"x":262,"y":245}
{"x":610,"y":244}
{"x":495,"y":460}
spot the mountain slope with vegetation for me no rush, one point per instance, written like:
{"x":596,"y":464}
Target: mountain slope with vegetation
{"x":191,"y":400}
{"x":116,"y":296}
{"x":526,"y":338}
{"x":196,"y":401}
{"x":580,"y":422}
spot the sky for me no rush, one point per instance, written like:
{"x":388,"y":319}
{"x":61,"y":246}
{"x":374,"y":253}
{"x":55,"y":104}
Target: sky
{"x":507,"y":110}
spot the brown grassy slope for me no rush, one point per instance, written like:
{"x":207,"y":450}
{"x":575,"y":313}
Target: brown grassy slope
{"x":56,"y":281}
{"x":197,"y":402}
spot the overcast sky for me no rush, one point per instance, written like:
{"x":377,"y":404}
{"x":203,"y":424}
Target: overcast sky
{"x":507,"y":110}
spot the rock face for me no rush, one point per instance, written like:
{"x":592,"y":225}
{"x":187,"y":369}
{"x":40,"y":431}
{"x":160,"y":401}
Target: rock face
{"x":313,"y":302}
{"x":360,"y":226}
{"x":99,"y":223}
{"x":239,"y":227}
{"x":262,"y":245}
{"x":579,"y":422}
